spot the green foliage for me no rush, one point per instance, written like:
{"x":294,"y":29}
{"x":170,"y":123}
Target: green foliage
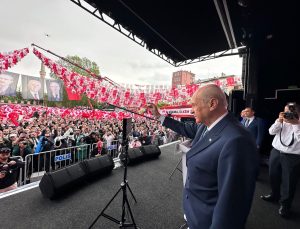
{"x":162,"y":104}
{"x":83,"y":62}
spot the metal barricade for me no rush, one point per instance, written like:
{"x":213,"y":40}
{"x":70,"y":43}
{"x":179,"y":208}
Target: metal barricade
{"x":20,"y":176}
{"x":93,"y":147}
{"x":112,"y":149}
{"x":48,"y":161}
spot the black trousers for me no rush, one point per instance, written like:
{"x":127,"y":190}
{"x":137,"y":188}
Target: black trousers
{"x":284,"y":171}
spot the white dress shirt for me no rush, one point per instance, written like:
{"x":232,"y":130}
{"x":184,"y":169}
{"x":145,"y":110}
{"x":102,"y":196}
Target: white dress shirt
{"x":286,"y":137}
{"x":35,"y":94}
{"x":215,"y":122}
{"x":250,"y":120}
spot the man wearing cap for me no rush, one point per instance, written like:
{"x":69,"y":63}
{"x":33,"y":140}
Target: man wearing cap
{"x":8,"y":170}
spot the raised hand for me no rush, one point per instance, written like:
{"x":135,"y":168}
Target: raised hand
{"x":153,"y":109}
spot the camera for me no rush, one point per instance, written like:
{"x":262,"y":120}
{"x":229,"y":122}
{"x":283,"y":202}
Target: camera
{"x":292,"y":113}
{"x":288,"y":115}
{"x":4,"y":169}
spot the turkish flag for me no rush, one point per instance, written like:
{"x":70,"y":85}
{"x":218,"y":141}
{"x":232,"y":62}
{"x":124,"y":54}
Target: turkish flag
{"x":71,"y":95}
{"x":230,"y":81}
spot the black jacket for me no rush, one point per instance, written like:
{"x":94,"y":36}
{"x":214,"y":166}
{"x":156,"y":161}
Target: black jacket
{"x":11,"y":173}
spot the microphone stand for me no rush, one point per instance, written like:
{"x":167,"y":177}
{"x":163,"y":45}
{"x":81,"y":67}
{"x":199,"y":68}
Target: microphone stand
{"x":125,"y":203}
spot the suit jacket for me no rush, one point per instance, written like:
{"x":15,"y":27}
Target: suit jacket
{"x":52,"y":98}
{"x":257,"y":128}
{"x":221,"y":174}
{"x":9,"y":92}
{"x":30,"y":96}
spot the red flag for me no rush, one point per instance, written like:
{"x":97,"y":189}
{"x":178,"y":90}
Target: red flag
{"x":71,"y":95}
{"x":230,"y":81}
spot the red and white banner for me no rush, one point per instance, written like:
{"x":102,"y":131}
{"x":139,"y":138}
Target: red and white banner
{"x":178,"y":111}
{"x":102,"y":90}
{"x":7,"y":60}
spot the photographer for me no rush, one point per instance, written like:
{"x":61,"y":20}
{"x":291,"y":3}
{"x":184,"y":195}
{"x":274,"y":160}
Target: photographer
{"x":284,"y":164}
{"x":8,"y":170}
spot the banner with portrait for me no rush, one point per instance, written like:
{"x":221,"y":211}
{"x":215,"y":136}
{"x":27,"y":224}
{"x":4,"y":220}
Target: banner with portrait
{"x":54,"y":90}
{"x":8,"y":83}
{"x":32,"y":88}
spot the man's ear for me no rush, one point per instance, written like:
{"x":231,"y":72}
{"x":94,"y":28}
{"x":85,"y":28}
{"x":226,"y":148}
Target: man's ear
{"x":213,"y":103}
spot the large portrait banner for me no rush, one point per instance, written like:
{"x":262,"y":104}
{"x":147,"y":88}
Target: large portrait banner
{"x":32,"y":88}
{"x":54,"y":90}
{"x":8,"y":83}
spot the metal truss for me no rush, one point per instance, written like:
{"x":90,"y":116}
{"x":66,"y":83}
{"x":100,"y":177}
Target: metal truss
{"x":229,"y":52}
{"x":95,"y":11}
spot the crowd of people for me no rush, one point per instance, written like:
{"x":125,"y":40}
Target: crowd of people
{"x":43,"y":133}
{"x":218,"y":163}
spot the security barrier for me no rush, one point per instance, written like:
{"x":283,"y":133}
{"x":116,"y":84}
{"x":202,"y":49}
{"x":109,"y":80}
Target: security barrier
{"x":48,"y":161}
{"x":20,"y":175}
{"x":37,"y":164}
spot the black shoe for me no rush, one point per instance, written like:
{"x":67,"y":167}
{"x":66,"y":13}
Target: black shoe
{"x":269,"y":198}
{"x":284,"y":211}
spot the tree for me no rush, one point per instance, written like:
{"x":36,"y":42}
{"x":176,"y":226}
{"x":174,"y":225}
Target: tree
{"x":85,"y":63}
{"x":161,"y":104}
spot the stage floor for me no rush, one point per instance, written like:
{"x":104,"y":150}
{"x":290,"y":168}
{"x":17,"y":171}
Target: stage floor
{"x":159,"y":202}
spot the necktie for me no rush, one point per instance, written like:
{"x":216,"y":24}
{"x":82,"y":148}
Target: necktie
{"x":204,"y":132}
{"x":36,"y":96}
{"x":56,"y":98}
{"x":247,"y":122}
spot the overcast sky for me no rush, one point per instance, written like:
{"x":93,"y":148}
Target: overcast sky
{"x":74,"y":31}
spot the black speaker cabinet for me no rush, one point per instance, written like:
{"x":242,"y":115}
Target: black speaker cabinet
{"x":58,"y":182}
{"x":150,"y":151}
{"x":98,"y":166}
{"x":135,"y":155}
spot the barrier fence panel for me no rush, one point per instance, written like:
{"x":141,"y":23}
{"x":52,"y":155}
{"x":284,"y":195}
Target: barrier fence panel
{"x":52,"y":160}
{"x":20,"y":176}
{"x":112,"y":148}
{"x":37,"y":164}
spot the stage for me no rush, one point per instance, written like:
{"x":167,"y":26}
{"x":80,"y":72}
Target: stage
{"x":158,"y":207}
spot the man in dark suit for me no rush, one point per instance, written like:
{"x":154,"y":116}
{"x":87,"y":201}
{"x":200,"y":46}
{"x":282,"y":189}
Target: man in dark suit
{"x":222,"y":163}
{"x":34,"y":90}
{"x":255,"y":125}
{"x":54,"y":91}
{"x":7,"y":86}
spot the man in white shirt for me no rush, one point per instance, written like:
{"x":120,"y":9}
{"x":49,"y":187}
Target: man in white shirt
{"x":284,"y":163}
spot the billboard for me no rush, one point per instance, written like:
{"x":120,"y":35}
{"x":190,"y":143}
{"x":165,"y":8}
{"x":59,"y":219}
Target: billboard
{"x":32,"y":88}
{"x":54,"y":90}
{"x":8,"y":83}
